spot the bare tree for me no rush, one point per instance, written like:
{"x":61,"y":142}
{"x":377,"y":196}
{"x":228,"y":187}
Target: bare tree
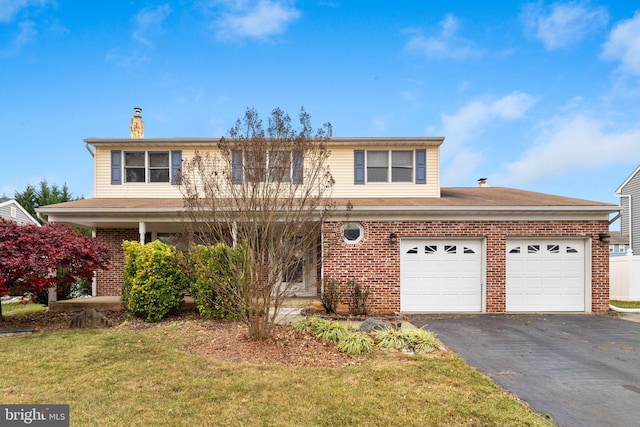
{"x":266,"y":192}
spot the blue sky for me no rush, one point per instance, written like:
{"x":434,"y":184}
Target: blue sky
{"x":541,"y":95}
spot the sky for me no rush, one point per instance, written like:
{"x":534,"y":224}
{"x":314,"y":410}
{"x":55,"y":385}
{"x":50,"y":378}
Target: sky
{"x":541,"y":96}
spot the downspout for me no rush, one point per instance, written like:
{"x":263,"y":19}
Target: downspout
{"x":630,"y":219}
{"x":94,"y":279}
{"x":86,"y":145}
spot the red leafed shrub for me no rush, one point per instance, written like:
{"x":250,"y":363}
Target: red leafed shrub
{"x":34,"y":258}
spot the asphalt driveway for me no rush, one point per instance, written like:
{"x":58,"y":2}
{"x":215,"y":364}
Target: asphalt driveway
{"x":580,"y":369}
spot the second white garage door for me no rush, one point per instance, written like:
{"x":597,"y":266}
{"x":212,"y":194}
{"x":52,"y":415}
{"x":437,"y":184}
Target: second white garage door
{"x":545,"y":275}
{"x":440,"y":275}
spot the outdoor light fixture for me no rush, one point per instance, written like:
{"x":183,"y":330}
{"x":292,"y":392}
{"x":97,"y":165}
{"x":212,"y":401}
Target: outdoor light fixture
{"x":604,"y":237}
{"x":393,"y":238}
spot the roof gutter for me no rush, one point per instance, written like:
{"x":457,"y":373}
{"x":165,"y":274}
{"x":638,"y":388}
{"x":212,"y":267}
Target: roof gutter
{"x":526,"y":209}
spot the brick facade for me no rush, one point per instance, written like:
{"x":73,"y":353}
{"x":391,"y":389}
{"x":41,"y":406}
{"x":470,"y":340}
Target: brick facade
{"x":109,"y":281}
{"x":375,"y":262}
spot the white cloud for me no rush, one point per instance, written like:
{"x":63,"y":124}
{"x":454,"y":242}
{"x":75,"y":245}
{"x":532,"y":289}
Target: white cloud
{"x":623,"y":45}
{"x":444,"y":45}
{"x":25,"y":30}
{"x":380,"y":123}
{"x":255,"y":19}
{"x":129,"y":61}
{"x":460,"y":154}
{"x":563,"y":24}
{"x":460,"y":170}
{"x":10,"y":8}
{"x":149,"y":20}
{"x":27,"y":33}
{"x":470,"y":120}
{"x":570,"y":144}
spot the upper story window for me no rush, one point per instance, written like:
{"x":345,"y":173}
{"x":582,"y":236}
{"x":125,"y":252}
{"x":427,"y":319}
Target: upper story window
{"x":390,"y":166}
{"x":159,"y":167}
{"x":141,"y":166}
{"x":146,"y":166}
{"x":267,"y":166}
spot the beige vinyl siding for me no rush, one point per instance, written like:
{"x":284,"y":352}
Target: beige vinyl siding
{"x":341,"y":164}
{"x":342,"y":169}
{"x":104,"y":188}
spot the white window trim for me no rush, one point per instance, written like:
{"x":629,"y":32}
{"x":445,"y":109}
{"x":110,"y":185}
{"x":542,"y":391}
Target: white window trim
{"x":352,"y":242}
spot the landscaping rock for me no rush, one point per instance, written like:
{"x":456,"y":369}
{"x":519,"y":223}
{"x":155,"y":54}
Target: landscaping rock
{"x":91,"y":318}
{"x":370,"y":324}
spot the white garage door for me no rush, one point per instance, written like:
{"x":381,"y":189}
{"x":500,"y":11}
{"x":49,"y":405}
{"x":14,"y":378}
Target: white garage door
{"x":545,"y":275}
{"x":440,"y":275}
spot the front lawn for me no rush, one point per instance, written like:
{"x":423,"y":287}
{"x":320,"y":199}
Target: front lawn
{"x":149,"y":375}
{"x":625,"y":304}
{"x":18,"y":308}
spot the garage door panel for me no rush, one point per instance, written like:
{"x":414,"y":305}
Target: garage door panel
{"x":554,"y":265}
{"x":439,"y":275}
{"x":545,"y":276}
{"x":534,"y":265}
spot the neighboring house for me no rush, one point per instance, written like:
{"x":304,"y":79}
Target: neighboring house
{"x":11,"y":210}
{"x":629,"y":192}
{"x":417,"y":246}
{"x":618,"y":245}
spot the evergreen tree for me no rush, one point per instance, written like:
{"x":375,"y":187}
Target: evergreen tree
{"x":31,"y":198}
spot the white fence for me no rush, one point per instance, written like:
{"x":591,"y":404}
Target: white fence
{"x":624,"y":277}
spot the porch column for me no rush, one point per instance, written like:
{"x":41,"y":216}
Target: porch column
{"x":142,"y":229}
{"x":94,"y":279}
{"x":234,"y":233}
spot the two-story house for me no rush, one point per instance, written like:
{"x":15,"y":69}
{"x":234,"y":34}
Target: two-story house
{"x":618,"y":245}
{"x":629,"y":193}
{"x":417,"y":246}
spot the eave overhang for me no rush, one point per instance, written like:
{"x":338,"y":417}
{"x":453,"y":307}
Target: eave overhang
{"x":200,"y":142}
{"x":115,"y":217}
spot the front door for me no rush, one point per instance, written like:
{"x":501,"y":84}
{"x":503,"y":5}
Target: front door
{"x":300,"y":274}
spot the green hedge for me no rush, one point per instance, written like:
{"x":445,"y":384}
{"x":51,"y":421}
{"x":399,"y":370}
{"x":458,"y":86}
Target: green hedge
{"x":154,"y":279}
{"x":215,"y":280}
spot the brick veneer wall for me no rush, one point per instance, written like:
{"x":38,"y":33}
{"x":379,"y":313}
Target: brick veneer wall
{"x":374,"y":262}
{"x":109,"y":281}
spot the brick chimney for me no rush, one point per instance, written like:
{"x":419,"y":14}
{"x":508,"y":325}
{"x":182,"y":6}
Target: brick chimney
{"x":137,"y":125}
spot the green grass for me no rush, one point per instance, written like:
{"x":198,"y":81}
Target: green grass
{"x":145,"y":377}
{"x":625,"y":304}
{"x":17,"y":308}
